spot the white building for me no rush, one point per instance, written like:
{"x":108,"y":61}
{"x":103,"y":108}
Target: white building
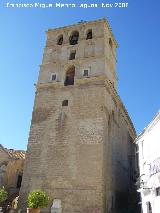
{"x":148,"y":150}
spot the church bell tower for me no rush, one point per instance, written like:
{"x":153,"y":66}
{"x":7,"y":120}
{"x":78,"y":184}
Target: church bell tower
{"x":75,"y":129}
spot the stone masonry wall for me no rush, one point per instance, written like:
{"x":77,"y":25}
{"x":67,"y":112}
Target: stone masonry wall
{"x":65,"y":151}
{"x":79,"y":153}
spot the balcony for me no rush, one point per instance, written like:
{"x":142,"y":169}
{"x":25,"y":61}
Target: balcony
{"x":142,"y":185}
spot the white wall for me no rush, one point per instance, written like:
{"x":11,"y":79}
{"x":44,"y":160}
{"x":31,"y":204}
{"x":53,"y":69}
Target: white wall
{"x":149,"y":150}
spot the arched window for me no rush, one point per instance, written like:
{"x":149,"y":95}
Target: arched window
{"x":19,"y":180}
{"x":60,"y":40}
{"x":110,"y":42}
{"x":69,"y":80}
{"x":89,"y":34}
{"x":74,"y":38}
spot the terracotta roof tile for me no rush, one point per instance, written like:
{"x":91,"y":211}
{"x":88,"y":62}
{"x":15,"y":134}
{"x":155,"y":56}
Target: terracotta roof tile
{"x":17,"y":154}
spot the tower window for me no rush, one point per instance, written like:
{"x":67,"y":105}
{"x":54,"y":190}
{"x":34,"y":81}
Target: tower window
{"x":53,"y":77}
{"x":89,"y":35}
{"x":72,"y":55}
{"x":60,"y":40}
{"x":110,"y":42}
{"x":65,"y":103}
{"x":74,"y":38}
{"x":19,"y":180}
{"x":69,"y":80}
{"x":86,"y":73}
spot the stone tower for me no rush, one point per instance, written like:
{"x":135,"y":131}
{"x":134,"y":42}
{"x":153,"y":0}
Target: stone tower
{"x":80,"y":142}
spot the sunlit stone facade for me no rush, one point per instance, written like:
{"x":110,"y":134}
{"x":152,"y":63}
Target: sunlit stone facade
{"x":80,"y":148}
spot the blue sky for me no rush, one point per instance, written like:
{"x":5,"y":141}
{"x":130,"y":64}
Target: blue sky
{"x":22,"y":39}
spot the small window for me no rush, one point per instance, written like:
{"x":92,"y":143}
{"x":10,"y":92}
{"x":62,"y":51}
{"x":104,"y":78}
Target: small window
{"x":158,"y":191}
{"x":53,"y":77}
{"x":72,"y":55}
{"x":65,"y":103}
{"x":60,"y":40}
{"x":110,"y":42}
{"x":74,"y":38}
{"x":89,"y":35}
{"x":85,"y":73}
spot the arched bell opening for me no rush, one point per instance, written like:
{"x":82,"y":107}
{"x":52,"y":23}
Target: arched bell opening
{"x":74,"y":38}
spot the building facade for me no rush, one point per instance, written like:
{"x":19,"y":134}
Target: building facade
{"x":149,"y":166}
{"x":80,"y":148}
{"x":11,"y":170}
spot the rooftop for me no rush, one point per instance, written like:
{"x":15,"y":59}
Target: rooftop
{"x":14,"y":154}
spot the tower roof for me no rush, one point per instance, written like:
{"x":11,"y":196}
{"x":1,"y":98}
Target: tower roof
{"x":14,"y":154}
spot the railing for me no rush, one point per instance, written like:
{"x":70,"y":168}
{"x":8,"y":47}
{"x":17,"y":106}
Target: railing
{"x":154,"y":167}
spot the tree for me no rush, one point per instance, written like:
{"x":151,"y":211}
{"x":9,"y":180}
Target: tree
{"x":3,"y":194}
{"x":37,"y":199}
